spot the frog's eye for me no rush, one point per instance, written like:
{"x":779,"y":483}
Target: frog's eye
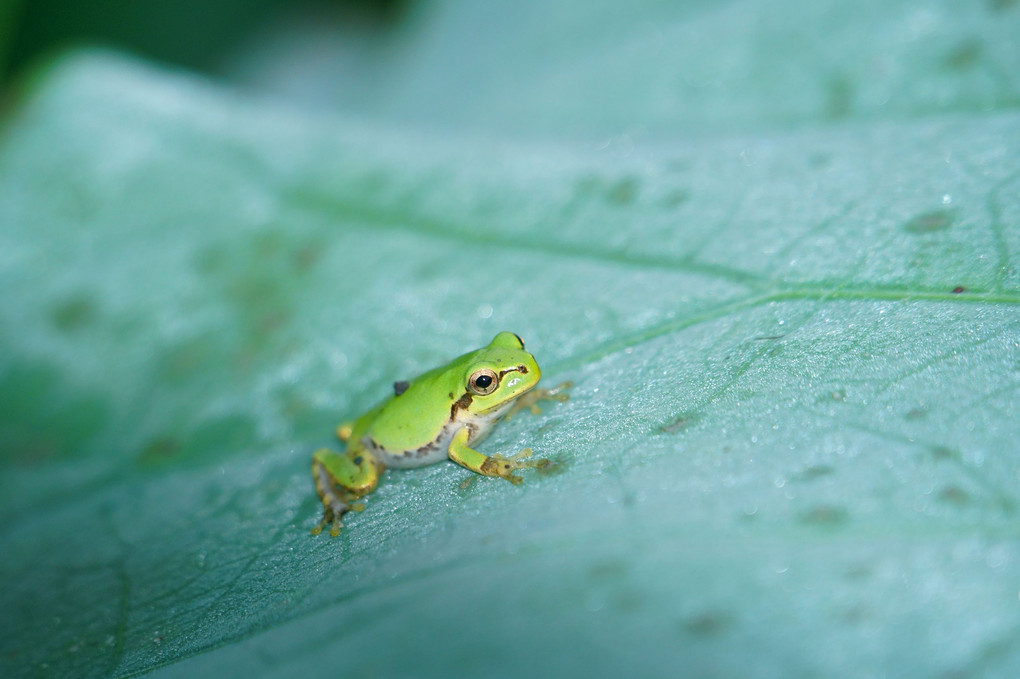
{"x":483,"y":382}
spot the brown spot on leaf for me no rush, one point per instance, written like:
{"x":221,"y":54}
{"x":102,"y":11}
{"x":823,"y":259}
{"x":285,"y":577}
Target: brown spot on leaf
{"x":825,"y":515}
{"x":963,"y":56}
{"x":680,"y":423}
{"x":815,"y":472}
{"x":708,"y":623}
{"x":624,"y":192}
{"x":676,"y":197}
{"x":954,"y":495}
{"x":159,"y":449}
{"x":74,"y":313}
{"x":930,"y":222}
{"x":839,"y":97}
{"x":608,"y":569}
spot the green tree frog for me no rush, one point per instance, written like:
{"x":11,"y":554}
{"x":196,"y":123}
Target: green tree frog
{"x":439,"y":414}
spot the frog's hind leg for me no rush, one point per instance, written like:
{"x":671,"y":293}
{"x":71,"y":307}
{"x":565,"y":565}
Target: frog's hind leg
{"x":340,"y":479}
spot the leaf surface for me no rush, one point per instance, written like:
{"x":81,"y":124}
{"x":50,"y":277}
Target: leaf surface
{"x":792,"y":443}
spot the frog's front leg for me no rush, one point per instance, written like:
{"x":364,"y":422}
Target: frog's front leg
{"x":340,"y":479}
{"x":496,"y":465}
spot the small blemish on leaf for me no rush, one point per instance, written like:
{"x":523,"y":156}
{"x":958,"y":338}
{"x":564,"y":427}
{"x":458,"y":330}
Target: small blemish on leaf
{"x":306,"y":257}
{"x":74,"y":313}
{"x":837,"y":395}
{"x":854,"y":615}
{"x":819,"y":161}
{"x":607,"y":569}
{"x":628,"y":601}
{"x":825,"y":515}
{"x":954,"y":495}
{"x":964,"y":56}
{"x":679,"y":423}
{"x":676,"y":197}
{"x":158,"y":450}
{"x":707,"y":623}
{"x":839,"y":97}
{"x":958,"y":289}
{"x":816,"y":471}
{"x":624,"y":192}
{"x":930,"y":222}
{"x":858,"y":573}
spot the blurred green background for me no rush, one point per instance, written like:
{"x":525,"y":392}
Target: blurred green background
{"x":773,"y":243}
{"x":196,"y":35}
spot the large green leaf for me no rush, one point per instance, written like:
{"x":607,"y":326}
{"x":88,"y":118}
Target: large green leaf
{"x":792,"y":447}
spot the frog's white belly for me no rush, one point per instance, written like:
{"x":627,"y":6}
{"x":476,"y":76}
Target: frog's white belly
{"x":478,"y":427}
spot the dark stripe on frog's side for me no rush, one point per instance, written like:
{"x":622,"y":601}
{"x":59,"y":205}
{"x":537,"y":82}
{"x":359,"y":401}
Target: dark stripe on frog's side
{"x":425,"y":449}
{"x":461,"y":403}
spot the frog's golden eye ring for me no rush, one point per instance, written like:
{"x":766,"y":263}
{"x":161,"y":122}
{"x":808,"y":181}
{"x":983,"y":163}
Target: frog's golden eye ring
{"x":483,"y":382}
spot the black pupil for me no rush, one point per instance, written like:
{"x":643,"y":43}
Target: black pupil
{"x":483,"y":381}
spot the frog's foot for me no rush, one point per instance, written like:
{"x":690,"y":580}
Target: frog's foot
{"x":530,"y":400}
{"x":337,"y":498}
{"x":333,"y":508}
{"x":504,"y":467}
{"x":331,"y":515}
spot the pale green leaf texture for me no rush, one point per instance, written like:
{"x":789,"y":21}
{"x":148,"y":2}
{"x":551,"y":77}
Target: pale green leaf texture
{"x":792,"y":448}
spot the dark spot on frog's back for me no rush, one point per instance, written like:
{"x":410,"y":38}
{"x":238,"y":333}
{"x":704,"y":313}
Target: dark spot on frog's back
{"x":930,"y":222}
{"x":401,"y":386}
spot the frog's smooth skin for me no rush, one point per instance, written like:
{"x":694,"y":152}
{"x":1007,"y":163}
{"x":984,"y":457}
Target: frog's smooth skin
{"x":435,"y":416}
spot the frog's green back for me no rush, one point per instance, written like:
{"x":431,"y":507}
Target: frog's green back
{"x":418,"y":415}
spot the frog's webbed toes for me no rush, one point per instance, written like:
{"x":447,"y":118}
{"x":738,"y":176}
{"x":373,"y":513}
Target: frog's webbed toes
{"x":331,"y":515}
